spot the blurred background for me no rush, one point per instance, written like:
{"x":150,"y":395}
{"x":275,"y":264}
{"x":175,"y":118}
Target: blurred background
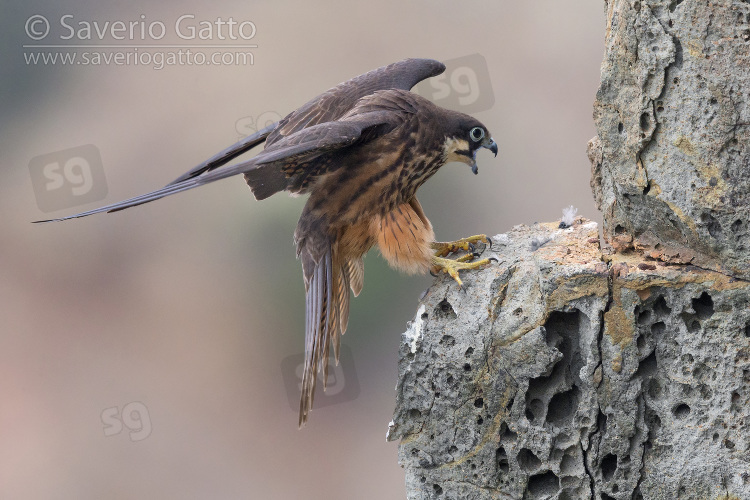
{"x":143,"y":354}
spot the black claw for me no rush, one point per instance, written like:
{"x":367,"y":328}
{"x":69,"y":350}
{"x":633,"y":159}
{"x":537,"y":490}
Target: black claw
{"x":489,"y":242}
{"x":472,"y":248}
{"x":495,"y":259}
{"x":433,"y":274}
{"x":476,"y":255}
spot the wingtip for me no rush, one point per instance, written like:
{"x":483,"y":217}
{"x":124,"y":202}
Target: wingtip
{"x":69,"y":217}
{"x":48,"y":220}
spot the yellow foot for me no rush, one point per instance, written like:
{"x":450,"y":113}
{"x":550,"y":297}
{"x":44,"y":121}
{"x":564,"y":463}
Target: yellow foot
{"x":466,"y":244}
{"x":452,"y":267}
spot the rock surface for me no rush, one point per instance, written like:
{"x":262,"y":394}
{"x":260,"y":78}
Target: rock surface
{"x":567,"y":372}
{"x":561,"y":372}
{"x":671,"y":162}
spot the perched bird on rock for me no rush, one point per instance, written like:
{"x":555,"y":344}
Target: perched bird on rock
{"x":360,"y":151}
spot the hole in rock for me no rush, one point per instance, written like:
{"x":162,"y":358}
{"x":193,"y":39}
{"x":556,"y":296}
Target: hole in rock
{"x":661,"y":308}
{"x":544,"y":484}
{"x":645,"y":122}
{"x":644,"y":317}
{"x":703,"y":306}
{"x":502,"y":460}
{"x":569,"y":462}
{"x":563,"y":406}
{"x":527,"y":460}
{"x":641,"y":343}
{"x":447,"y":340}
{"x":445,"y":310}
{"x":681,"y":410}
{"x":658,"y":328}
{"x":609,"y":466}
{"x":647,"y":367}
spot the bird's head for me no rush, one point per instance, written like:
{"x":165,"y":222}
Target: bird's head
{"x":465,"y":136}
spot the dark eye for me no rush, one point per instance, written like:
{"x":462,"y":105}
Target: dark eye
{"x":477,"y":134}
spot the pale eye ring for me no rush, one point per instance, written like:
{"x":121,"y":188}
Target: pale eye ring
{"x":477,"y":134}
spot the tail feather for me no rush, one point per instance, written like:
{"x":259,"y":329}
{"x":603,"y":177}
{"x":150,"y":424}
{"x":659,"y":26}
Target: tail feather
{"x":326,"y":318}
{"x":313,"y":311}
{"x":356,"y":272}
{"x":342,"y":311}
{"x":325,"y":321}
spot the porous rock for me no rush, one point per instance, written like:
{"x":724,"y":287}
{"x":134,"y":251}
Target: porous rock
{"x":671,"y":161}
{"x":559,"y":372}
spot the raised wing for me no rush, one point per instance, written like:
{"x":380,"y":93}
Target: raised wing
{"x":290,"y":162}
{"x":303,"y":146}
{"x":337,"y":101}
{"x":327,"y":107}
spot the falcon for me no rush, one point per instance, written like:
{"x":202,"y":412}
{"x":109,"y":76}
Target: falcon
{"x":360,"y":151}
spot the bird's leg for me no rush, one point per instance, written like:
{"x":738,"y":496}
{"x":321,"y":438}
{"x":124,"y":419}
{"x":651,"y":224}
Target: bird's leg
{"x":443,"y":248}
{"x":453,"y":266}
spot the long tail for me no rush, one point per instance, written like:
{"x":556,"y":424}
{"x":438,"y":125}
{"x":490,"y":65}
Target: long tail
{"x":326,"y":318}
{"x":204,"y":173}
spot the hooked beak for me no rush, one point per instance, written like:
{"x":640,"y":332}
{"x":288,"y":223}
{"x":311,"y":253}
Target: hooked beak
{"x":488,"y":143}
{"x":491,"y":145}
